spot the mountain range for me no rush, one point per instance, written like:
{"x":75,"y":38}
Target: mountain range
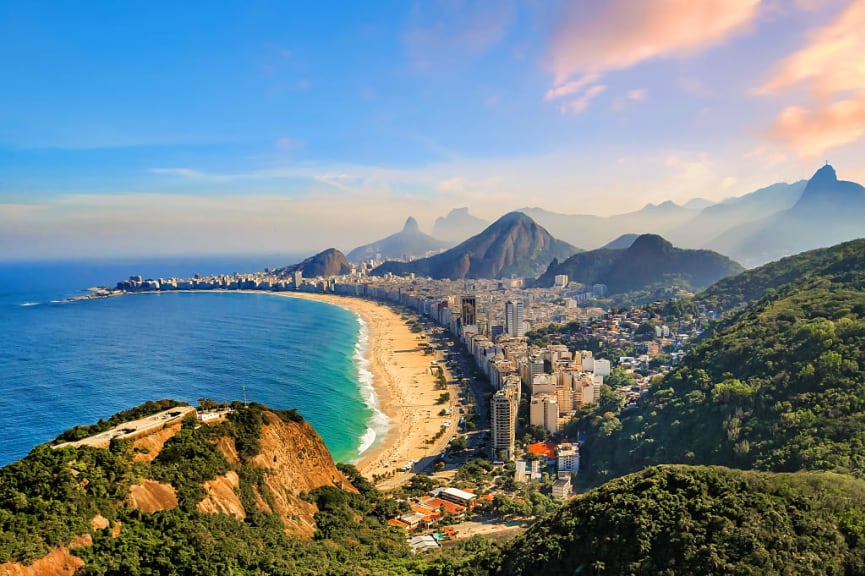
{"x":408,"y":243}
{"x":756,"y":228}
{"x":648,"y":260}
{"x":513,"y":244}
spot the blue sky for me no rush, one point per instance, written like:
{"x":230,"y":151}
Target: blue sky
{"x":156,"y":127}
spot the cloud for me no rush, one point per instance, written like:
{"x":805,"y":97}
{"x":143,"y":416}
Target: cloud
{"x":832,"y":71}
{"x":638,"y":95}
{"x":287,"y":144}
{"x":570,"y":88}
{"x":595,"y":38}
{"x":581,"y":103}
{"x":444,"y":33}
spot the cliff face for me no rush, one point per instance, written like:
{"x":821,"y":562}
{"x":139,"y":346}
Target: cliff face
{"x":294,"y":460}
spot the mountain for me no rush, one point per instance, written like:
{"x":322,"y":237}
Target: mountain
{"x":620,"y":243}
{"x":513,"y":244}
{"x":330,"y":262}
{"x":776,"y":386}
{"x":829,"y":211}
{"x":681,"y":520}
{"x":594,"y":231}
{"x":458,"y":225}
{"x":648,"y":261}
{"x":717,"y":219}
{"x":409,"y":242}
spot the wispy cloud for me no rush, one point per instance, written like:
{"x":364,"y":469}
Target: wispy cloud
{"x":596,"y":38}
{"x":831,"y":68}
{"x":446,"y":33}
{"x":581,"y":103}
{"x":287,"y":144}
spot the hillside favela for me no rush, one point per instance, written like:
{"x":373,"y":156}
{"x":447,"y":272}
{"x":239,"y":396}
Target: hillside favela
{"x":442,"y":288}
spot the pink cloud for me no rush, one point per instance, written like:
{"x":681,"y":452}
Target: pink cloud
{"x":570,"y":87}
{"x":811,"y":132}
{"x":598,"y":37}
{"x":831,"y":68}
{"x":581,"y":103}
{"x":832,"y":61}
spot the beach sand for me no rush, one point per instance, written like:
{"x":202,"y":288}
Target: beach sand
{"x":404,"y":385}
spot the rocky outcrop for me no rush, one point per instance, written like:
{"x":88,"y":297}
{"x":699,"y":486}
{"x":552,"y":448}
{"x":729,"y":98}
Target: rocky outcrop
{"x":295,"y":460}
{"x":58,"y":562}
{"x":222,"y":496}
{"x":148,"y":447}
{"x":152,"y":496}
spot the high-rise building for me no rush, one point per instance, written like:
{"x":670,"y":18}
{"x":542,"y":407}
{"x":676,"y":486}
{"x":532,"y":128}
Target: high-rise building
{"x":514,"y":318}
{"x":469,"y":307}
{"x":503,"y":425}
{"x":544,"y":412}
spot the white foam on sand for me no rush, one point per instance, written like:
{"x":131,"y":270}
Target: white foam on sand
{"x":379,"y":422}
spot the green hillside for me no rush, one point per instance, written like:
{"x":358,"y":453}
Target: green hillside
{"x":843,"y":265}
{"x":781,"y":387}
{"x":681,"y":520}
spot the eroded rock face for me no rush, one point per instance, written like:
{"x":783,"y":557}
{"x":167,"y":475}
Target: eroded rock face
{"x":58,"y":562}
{"x":152,"y":496}
{"x":295,"y":460}
{"x":222,"y":496}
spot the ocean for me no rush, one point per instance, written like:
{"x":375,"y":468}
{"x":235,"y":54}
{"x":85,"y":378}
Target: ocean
{"x":63,"y":364}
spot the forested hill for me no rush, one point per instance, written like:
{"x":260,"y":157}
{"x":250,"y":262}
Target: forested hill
{"x":843,"y":265}
{"x":682,"y":520}
{"x":649,"y":260}
{"x":781,"y":387}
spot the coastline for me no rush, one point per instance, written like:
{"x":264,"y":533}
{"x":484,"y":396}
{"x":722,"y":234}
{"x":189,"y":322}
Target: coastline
{"x":404,"y":388}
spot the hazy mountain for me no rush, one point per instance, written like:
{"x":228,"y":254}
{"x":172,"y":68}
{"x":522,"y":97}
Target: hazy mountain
{"x":458,"y":225}
{"x":589,"y":231}
{"x":408,"y":242}
{"x":698,"y":204}
{"x":715,"y":220}
{"x":330,"y":262}
{"x":622,"y":242}
{"x":648,"y":261}
{"x":829,"y":211}
{"x":513,"y":244}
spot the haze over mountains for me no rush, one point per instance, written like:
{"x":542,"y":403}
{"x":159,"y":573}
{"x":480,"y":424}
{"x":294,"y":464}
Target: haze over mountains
{"x":458,"y":225}
{"x":408,"y":242}
{"x":647,"y":261}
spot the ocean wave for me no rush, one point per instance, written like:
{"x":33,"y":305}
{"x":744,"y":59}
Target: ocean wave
{"x":378,"y":423}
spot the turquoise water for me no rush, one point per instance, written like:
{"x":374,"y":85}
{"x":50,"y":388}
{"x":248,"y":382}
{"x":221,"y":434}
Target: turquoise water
{"x":64,"y":364}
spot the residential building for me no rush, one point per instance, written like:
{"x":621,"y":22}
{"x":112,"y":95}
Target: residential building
{"x":514,"y":318}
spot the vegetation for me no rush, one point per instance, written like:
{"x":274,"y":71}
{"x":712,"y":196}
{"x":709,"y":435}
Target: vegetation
{"x":140,"y":411}
{"x":681,"y":520}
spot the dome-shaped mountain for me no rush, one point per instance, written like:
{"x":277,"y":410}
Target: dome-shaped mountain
{"x":330,"y":262}
{"x":409,"y":242}
{"x":648,"y":261}
{"x":514,"y":244}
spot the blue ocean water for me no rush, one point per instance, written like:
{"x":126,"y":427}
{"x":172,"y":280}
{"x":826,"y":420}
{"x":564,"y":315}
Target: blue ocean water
{"x":63,"y":364}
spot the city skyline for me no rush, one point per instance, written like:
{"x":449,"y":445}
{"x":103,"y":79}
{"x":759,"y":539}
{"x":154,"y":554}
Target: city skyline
{"x":161,"y":129}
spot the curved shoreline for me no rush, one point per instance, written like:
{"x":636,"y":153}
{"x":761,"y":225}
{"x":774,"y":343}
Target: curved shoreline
{"x":402,"y":382}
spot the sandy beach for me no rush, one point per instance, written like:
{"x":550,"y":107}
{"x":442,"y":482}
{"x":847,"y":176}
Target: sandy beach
{"x":404,"y":385}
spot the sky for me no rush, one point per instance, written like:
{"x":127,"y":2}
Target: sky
{"x":153,"y":128}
